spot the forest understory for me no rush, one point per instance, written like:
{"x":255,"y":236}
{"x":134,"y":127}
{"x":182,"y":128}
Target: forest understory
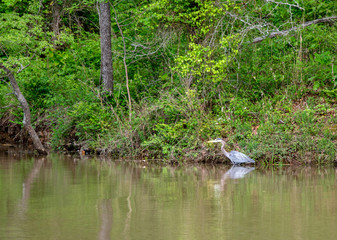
{"x":260,"y":74}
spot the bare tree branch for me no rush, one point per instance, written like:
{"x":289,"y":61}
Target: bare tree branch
{"x":286,"y":3}
{"x":1,"y":79}
{"x":22,"y":68}
{"x":136,"y":45}
{"x":285,"y":32}
{"x":251,"y":26}
{"x":8,"y":106}
{"x":125,"y":65}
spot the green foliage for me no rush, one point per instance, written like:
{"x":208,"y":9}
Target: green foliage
{"x":179,"y":124}
{"x":197,"y":16}
{"x":21,"y":37}
{"x":319,"y":8}
{"x":89,"y":119}
{"x":200,"y":62}
{"x":39,"y":92}
{"x":193,"y":76}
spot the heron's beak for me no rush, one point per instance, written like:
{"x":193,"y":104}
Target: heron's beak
{"x":211,"y":141}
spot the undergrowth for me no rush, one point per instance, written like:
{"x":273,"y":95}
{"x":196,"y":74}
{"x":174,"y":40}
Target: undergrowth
{"x":193,"y":76}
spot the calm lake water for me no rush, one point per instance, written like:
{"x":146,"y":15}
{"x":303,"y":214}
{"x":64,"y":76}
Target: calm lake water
{"x":63,"y":197}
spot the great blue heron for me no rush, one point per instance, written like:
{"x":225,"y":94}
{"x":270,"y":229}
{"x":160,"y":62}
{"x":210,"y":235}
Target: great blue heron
{"x":235,"y":156}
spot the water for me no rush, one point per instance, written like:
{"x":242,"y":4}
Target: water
{"x":59,"y":197}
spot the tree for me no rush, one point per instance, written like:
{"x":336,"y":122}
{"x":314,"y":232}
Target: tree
{"x":26,"y":111}
{"x":105,"y":33}
{"x":20,"y":42}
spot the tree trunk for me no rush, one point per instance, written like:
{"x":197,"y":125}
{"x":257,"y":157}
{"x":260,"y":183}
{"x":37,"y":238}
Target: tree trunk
{"x":26,"y":111}
{"x":55,"y":24}
{"x":106,"y":57}
{"x":56,"y":14}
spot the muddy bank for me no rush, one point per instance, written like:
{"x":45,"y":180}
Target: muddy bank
{"x":13,"y":133}
{"x":10,"y":132}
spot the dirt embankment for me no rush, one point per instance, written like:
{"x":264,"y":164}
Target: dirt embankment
{"x":10,"y":132}
{"x":13,"y":133}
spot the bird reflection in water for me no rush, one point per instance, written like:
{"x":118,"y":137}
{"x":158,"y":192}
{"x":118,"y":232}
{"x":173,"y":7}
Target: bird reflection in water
{"x":235,"y":172}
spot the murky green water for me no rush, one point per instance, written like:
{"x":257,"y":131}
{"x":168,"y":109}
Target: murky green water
{"x":61,"y":197}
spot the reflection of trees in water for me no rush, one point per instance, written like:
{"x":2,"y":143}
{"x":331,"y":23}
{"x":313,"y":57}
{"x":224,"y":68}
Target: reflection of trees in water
{"x":8,"y":153}
{"x":27,"y":185}
{"x":296,"y":172}
{"x":18,"y":215}
{"x":128,"y":216}
{"x":126,"y":197}
{"x":142,"y":193}
{"x":105,"y":212}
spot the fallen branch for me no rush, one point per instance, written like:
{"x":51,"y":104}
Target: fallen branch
{"x":285,"y":32}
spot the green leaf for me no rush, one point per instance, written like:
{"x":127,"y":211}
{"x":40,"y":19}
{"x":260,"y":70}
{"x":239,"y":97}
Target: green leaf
{"x":316,"y":86}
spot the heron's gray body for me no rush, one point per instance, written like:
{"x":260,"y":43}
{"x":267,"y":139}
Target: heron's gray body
{"x":235,"y":156}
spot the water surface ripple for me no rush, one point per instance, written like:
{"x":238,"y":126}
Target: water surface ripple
{"x":65,"y":197}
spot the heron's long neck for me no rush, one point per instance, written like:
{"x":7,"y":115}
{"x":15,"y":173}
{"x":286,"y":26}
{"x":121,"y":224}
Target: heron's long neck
{"x":223,"y":148}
